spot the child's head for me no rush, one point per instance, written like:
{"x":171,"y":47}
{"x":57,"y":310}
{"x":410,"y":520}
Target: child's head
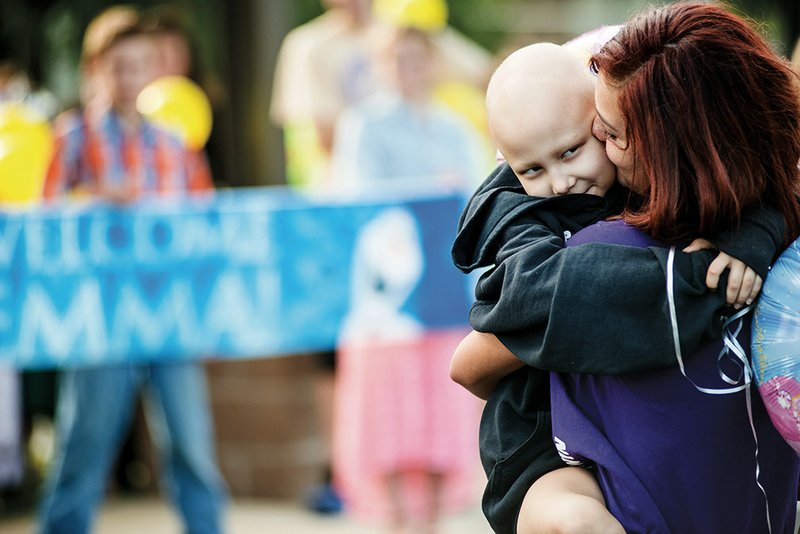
{"x":120,"y":55}
{"x":540,"y":105}
{"x":172,"y":29}
{"x":407,"y":58}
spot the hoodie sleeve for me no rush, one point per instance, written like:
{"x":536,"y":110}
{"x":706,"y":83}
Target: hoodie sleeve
{"x":500,"y":219}
{"x":598,"y":308}
{"x":602,"y":308}
{"x":757,"y":241}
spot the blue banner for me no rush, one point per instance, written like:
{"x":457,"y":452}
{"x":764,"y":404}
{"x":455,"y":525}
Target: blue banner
{"x":243,"y":273}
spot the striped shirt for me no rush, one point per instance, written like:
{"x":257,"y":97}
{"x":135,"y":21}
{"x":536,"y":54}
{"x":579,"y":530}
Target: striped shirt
{"x":95,"y":153}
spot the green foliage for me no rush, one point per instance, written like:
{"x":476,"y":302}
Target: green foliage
{"x":303,"y":11}
{"x":479,"y":19}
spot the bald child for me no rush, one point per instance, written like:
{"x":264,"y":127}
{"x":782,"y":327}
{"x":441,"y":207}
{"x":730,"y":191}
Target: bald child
{"x":540,"y":106}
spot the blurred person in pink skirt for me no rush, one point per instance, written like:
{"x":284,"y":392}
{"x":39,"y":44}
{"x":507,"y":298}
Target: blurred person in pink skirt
{"x":405,"y":437}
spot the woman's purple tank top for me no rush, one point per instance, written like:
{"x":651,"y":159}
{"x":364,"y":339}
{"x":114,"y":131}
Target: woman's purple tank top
{"x":669,"y":457}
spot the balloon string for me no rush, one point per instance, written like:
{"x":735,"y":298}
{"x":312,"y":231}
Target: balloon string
{"x":730,"y":345}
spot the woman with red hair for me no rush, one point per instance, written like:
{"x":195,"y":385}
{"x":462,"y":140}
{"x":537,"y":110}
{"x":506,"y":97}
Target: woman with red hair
{"x":702,"y":120}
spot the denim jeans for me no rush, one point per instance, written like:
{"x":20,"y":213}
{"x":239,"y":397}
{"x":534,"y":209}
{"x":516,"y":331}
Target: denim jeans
{"x":95,"y":408}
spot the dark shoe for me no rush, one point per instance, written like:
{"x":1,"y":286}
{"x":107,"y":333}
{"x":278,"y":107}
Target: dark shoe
{"x":323,"y":499}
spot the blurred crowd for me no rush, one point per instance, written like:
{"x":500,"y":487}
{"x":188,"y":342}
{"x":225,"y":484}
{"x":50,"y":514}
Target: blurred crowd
{"x":368,"y":95}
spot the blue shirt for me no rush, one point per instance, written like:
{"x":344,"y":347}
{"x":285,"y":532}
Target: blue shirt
{"x":388,"y":140}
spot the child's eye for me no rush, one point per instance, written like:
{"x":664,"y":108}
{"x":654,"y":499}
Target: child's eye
{"x":531,"y":171}
{"x":567,"y":153}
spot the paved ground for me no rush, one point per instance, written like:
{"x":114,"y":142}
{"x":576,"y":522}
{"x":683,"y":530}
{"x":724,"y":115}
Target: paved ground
{"x":151,"y":516}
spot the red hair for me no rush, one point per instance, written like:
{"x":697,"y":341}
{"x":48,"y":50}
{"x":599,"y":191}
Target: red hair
{"x":712,"y":116}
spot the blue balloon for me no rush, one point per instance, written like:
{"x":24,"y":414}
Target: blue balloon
{"x":776,"y":345}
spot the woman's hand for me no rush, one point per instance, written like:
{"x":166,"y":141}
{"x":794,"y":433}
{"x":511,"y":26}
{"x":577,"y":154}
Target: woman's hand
{"x":480,"y":361}
{"x":743,"y":282}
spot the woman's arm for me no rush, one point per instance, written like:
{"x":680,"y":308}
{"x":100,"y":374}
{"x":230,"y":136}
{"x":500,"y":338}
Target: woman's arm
{"x":593,"y":308}
{"x":480,"y":361}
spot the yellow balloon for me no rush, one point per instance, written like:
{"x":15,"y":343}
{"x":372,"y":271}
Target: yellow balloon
{"x":468,"y":102}
{"x":465,"y":100}
{"x":178,"y":104}
{"x":428,"y":15}
{"x":26,"y":146}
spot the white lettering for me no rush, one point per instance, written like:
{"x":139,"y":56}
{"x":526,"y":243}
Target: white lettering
{"x":100,"y":230}
{"x":153,"y":325}
{"x":5,"y":318}
{"x":561,"y":447}
{"x":35,"y":244}
{"x":232,"y":314}
{"x":9,"y":238}
{"x":242,"y":237}
{"x":71,"y":256}
{"x":59,"y":332}
{"x":70,"y":243}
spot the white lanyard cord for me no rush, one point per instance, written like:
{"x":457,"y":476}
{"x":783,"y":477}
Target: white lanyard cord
{"x":731,"y":348}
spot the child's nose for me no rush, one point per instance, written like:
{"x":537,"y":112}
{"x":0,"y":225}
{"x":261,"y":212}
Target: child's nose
{"x":562,"y":183}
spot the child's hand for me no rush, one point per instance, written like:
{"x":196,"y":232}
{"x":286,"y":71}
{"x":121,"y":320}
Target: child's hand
{"x":743,"y":282}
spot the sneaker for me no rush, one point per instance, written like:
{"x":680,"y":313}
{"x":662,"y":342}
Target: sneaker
{"x":323,"y":499}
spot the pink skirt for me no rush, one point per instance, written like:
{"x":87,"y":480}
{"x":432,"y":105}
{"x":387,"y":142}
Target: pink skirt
{"x":396,"y":410}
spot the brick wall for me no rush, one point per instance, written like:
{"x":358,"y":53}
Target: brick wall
{"x":268,"y":435}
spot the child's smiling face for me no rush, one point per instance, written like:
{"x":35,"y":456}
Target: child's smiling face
{"x":554,"y":152}
{"x":541,"y":110}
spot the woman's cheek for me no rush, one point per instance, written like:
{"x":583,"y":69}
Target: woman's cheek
{"x":622,"y":161}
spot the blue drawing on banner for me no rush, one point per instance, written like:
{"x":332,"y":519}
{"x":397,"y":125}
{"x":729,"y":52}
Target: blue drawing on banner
{"x":387,"y":265}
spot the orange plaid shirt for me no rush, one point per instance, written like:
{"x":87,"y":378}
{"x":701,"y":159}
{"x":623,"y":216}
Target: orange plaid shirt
{"x":91,"y":154}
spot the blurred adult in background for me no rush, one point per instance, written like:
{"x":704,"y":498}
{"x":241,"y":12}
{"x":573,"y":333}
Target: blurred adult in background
{"x":345,"y":29}
{"x":307,"y":123}
{"x":405,"y":443}
{"x":110,"y":151}
{"x":400,"y":133}
{"x":325,"y":66}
